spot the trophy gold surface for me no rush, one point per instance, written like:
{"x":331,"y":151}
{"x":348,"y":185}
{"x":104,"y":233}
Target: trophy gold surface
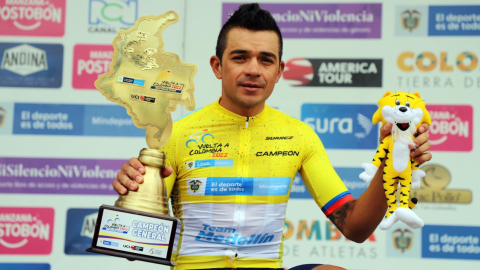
{"x":149,"y":83}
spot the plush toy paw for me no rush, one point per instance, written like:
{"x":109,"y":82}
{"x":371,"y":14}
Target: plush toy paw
{"x":409,"y":217}
{"x":369,"y":173}
{"x":416,"y":176}
{"x":388,"y":222}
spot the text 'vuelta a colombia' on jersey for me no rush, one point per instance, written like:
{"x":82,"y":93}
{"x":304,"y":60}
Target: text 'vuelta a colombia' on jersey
{"x":231,"y":182}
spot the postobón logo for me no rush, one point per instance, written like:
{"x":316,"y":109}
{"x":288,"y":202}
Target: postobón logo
{"x":334,"y":72}
{"x":26,"y":230}
{"x":307,"y":236}
{"x":109,"y":16}
{"x":79,"y":231}
{"x":342,"y":126}
{"x":433,"y":187}
{"x":452,"y":127}
{"x":438,"y":69}
{"x":32,"y":18}
{"x":89,"y":61}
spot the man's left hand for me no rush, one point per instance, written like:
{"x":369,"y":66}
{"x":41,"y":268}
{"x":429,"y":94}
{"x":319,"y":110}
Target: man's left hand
{"x":422,"y":145}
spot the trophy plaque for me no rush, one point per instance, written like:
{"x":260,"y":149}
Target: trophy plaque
{"x":149,"y":83}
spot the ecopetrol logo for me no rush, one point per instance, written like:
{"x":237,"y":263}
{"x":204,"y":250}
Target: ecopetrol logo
{"x":32,"y":18}
{"x":89,"y":61}
{"x":31,"y":65}
{"x":342,"y":126}
{"x":79,"y":231}
{"x":109,"y":16}
{"x":434,"y":187}
{"x":314,"y":237}
{"x":441,"y":69}
{"x":26,"y":230}
{"x":334,"y":72}
{"x":452,"y":127}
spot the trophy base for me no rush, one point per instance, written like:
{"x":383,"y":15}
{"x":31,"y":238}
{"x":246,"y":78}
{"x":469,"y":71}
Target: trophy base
{"x":135,"y":235}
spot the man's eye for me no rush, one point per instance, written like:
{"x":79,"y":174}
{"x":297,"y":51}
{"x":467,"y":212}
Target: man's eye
{"x":267,"y":60}
{"x":238,"y":58}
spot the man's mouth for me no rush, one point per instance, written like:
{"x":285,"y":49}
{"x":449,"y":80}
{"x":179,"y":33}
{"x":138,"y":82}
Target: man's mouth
{"x":403,"y":126}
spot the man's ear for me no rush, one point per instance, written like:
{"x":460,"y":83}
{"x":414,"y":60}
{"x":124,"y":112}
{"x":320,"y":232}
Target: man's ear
{"x":216,"y":66}
{"x":280,"y":71}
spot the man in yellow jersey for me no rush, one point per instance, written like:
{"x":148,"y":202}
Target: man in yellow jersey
{"x":232,"y":162}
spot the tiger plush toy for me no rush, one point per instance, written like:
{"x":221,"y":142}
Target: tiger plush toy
{"x":406,"y":112}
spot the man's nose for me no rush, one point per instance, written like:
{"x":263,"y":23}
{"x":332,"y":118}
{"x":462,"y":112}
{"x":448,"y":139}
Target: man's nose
{"x":252,"y":68}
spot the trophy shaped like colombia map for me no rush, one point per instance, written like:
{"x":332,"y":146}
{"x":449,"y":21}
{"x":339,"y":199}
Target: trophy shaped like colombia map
{"x":146,"y":80}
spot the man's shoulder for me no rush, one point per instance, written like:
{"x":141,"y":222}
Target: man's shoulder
{"x":191,"y":116}
{"x":278,"y":116}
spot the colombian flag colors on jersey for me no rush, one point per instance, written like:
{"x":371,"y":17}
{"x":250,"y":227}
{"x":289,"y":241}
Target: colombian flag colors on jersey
{"x":231,"y":183}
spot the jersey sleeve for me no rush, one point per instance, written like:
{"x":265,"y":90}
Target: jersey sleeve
{"x":321,"y":180}
{"x":170,"y":153}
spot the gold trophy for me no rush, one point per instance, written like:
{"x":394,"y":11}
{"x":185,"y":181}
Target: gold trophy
{"x":149,"y":83}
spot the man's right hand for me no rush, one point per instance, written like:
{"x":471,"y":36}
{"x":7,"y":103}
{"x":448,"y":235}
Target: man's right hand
{"x":131,"y":175}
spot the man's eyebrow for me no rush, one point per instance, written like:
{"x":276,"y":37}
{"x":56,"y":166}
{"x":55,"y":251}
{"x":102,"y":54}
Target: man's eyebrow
{"x":239,"y":51}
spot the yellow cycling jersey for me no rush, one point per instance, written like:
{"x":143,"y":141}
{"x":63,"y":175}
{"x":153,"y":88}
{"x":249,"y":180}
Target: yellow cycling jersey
{"x":231,"y":182}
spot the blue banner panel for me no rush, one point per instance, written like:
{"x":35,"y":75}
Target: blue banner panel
{"x":454,"y":21}
{"x":342,"y":126}
{"x":109,"y":120}
{"x":48,"y":119}
{"x":451,"y":242}
{"x":31,"y":65}
{"x":79,"y":231}
{"x":24,"y":266}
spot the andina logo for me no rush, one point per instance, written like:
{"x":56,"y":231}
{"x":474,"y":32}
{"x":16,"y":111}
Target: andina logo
{"x":109,"y":16}
{"x":195,"y":185}
{"x":24,"y":60}
{"x":26,"y":230}
{"x":410,"y":19}
{"x":334,"y":72}
{"x":32,"y":18}
{"x":402,"y":239}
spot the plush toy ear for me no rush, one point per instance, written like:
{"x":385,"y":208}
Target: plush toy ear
{"x":387,"y":112}
{"x":418,"y":116}
{"x":417,"y":94}
{"x":387,"y":93}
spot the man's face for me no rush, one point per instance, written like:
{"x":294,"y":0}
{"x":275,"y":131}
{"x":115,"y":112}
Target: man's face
{"x":249,"y":70}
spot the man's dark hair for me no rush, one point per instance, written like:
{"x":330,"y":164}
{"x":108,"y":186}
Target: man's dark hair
{"x":250,"y":17}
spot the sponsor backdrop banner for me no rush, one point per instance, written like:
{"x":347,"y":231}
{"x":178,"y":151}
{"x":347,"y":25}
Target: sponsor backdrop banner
{"x":62,"y":143}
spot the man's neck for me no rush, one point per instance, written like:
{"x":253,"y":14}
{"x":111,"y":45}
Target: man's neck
{"x":241,"y":110}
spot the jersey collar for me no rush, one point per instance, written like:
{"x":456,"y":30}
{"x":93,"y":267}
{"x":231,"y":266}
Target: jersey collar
{"x":239,"y":118}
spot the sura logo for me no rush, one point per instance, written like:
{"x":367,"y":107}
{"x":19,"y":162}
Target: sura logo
{"x":342,"y":125}
{"x":22,"y":12}
{"x":316,"y":16}
{"x":24,"y":60}
{"x":88,"y":227}
{"x":109,"y":16}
